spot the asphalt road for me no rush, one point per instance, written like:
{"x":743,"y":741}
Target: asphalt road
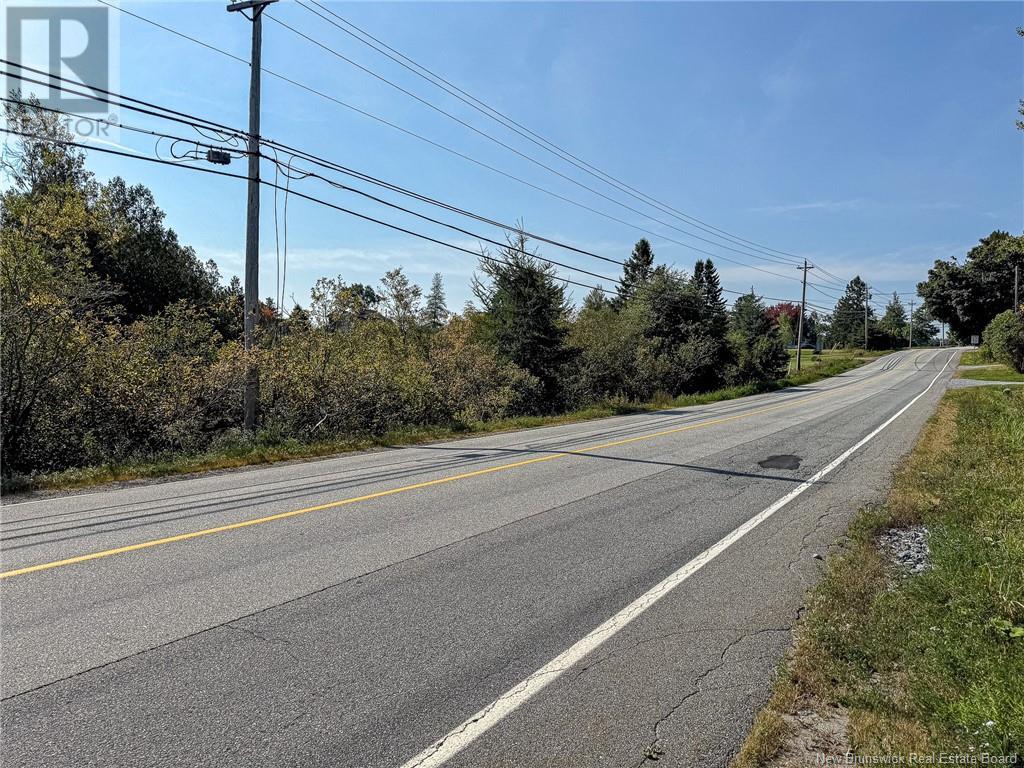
{"x":394,"y":596}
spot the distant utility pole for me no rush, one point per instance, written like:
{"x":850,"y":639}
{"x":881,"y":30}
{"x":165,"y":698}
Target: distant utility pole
{"x":865,"y":322}
{"x":911,"y":346}
{"x":1016,"y":288}
{"x":800,"y":322}
{"x":252,"y":217}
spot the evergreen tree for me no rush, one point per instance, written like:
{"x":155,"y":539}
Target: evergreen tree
{"x":298,"y":320}
{"x":527,"y":312}
{"x":848,"y":317}
{"x":759,"y":352}
{"x":926,"y":332}
{"x":435,"y":313}
{"x":894,"y":321}
{"x":636,"y":271}
{"x":716,"y":315}
{"x":595,"y":300}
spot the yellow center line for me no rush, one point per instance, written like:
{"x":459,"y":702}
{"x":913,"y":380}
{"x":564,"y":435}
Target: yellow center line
{"x":403,"y":489}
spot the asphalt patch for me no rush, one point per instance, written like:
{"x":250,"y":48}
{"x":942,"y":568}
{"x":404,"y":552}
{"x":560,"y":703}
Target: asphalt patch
{"x":782,"y":461}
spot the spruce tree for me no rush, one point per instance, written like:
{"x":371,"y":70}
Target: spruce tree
{"x":527,"y":312}
{"x":716,"y":316}
{"x":435,"y":312}
{"x":848,"y":316}
{"x":894,"y":321}
{"x":636,"y":271}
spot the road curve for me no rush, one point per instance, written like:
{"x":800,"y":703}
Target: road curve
{"x":378,"y":609}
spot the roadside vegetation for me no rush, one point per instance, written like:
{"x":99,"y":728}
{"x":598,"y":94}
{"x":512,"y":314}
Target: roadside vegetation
{"x":122,"y":355}
{"x":263,"y":450}
{"x":933,"y":662}
{"x":992,"y":372}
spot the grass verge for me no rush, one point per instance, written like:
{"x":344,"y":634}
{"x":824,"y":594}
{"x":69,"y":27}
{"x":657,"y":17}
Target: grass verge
{"x":935,"y":662}
{"x":979,"y":356}
{"x":994,"y":372}
{"x":266,"y":450}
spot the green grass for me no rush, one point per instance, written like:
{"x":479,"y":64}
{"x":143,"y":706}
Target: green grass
{"x":979,"y":356}
{"x":996,"y":372}
{"x":932,"y":663}
{"x":263,"y":449}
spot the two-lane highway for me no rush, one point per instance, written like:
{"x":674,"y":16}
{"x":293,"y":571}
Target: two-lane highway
{"x":595,"y":594}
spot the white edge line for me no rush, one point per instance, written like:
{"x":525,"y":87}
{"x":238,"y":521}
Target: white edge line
{"x":465,"y":734}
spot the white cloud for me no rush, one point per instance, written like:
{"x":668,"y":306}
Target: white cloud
{"x":826,"y":206}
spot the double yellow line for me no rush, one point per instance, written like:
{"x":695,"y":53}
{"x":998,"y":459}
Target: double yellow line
{"x":393,"y":491}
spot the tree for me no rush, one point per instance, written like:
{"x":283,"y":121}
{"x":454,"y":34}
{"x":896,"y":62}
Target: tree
{"x":400,"y":300}
{"x":847,"y":326}
{"x":337,"y":306}
{"x":680,"y":353}
{"x":759,"y":352}
{"x":133,"y":249}
{"x":526,"y":312}
{"x":925,"y":331}
{"x":38,"y":164}
{"x":298,"y":320}
{"x":435,"y":313}
{"x":636,"y":271}
{"x":894,"y":321}
{"x":709,"y":287}
{"x":53,"y":304}
{"x":786,"y":316}
{"x":968,"y":296}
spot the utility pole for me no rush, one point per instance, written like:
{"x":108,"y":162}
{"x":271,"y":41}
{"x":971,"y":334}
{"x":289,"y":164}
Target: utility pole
{"x":865,"y":321}
{"x":911,"y":346}
{"x":1016,"y":288}
{"x":252,"y":217}
{"x":800,"y":322}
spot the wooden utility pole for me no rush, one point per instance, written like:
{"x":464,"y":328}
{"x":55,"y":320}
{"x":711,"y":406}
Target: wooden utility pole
{"x":252,"y":217}
{"x":803,"y":309}
{"x":1016,"y":288}
{"x":865,"y":320}
{"x":911,"y":346}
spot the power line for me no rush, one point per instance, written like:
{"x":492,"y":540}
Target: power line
{"x":446,"y":85}
{"x":505,"y":145}
{"x":503,"y":119}
{"x":272,"y":185}
{"x":455,"y":152}
{"x":235,"y":133}
{"x":228,"y":133}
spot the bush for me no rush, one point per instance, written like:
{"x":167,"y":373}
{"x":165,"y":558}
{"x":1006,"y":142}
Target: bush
{"x":1004,"y":338}
{"x":373,"y":380}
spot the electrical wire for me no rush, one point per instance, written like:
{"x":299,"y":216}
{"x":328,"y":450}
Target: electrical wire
{"x":518,"y":128}
{"x":512,"y":149}
{"x":225,"y":130}
{"x":342,"y":209}
{"x":450,"y":150}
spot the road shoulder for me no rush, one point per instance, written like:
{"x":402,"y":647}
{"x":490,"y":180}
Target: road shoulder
{"x":914,"y":640}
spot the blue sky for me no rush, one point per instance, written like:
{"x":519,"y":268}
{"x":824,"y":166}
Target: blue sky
{"x":870,"y":137}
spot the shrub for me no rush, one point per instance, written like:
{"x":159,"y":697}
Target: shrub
{"x":1004,"y":338}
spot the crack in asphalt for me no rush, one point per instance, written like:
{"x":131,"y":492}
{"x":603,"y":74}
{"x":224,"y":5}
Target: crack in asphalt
{"x":653,"y":751}
{"x":274,"y":642}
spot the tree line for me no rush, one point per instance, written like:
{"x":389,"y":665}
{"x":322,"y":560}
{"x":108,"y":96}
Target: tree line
{"x":118,"y":344}
{"x":975,"y":296}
